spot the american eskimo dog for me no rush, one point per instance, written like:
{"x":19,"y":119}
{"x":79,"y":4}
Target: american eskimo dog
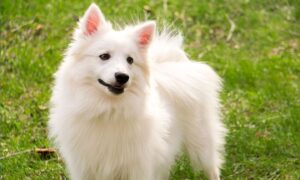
{"x":126,"y":102}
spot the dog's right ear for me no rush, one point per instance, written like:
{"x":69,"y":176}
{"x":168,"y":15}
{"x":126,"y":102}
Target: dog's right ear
{"x":93,"y":21}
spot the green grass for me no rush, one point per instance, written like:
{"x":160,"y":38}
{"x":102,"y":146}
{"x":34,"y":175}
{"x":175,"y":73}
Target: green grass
{"x":260,"y":66}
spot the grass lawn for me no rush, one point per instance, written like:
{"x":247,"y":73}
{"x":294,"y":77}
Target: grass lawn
{"x":259,"y":60}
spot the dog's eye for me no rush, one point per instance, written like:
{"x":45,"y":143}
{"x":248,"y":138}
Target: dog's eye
{"x":105,"y":56}
{"x":129,"y":60}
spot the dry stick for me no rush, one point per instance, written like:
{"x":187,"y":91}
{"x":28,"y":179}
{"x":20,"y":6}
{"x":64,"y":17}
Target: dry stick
{"x":41,"y":151}
{"x":232,"y":28}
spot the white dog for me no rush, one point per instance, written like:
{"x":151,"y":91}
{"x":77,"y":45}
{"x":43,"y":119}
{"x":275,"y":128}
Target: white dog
{"x":126,"y":102}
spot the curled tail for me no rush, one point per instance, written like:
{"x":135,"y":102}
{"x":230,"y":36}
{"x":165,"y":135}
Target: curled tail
{"x":174,"y":73}
{"x":167,"y":46}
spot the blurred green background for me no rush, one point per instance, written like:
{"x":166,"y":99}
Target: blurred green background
{"x":252,"y":44}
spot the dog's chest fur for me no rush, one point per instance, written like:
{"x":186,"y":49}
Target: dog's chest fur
{"x":111,"y":144}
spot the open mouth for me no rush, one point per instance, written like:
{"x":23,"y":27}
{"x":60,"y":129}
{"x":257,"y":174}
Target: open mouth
{"x":116,"y":89}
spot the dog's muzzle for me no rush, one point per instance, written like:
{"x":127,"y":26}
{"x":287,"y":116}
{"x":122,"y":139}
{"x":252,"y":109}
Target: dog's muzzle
{"x":115,"y":89}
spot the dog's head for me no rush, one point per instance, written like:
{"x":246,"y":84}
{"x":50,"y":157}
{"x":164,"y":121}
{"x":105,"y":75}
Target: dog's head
{"x":114,"y":61}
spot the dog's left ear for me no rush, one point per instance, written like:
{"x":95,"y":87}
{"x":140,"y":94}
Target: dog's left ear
{"x":144,"y":33}
{"x":93,"y":21}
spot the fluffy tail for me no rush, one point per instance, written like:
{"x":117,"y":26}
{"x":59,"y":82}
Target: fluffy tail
{"x":175,"y":74}
{"x":167,"y":46}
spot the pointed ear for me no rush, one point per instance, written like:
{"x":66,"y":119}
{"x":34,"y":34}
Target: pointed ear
{"x":92,"y":21}
{"x":144,"y":33}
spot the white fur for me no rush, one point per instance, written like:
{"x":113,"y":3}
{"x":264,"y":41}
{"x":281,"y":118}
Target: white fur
{"x":170,"y":102}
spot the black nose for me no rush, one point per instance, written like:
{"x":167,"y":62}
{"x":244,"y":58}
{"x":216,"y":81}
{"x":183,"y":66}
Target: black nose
{"x":121,"y":78}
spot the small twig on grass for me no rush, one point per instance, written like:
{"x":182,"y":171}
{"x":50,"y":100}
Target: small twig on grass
{"x":44,"y":151}
{"x":40,"y":151}
{"x":232,"y":28}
